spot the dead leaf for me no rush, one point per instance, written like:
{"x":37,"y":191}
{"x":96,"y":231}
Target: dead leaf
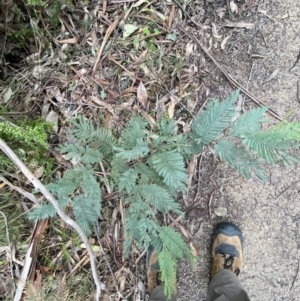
{"x":240,"y":24}
{"x":52,"y":117}
{"x":39,"y":172}
{"x":225,"y":40}
{"x":221,"y":11}
{"x":193,"y":249}
{"x":171,"y":108}
{"x":122,"y":281}
{"x":129,"y":29}
{"x":142,"y":95}
{"x":171,"y":17}
{"x":233,"y":7}
{"x":138,"y":3}
{"x":272,"y":76}
{"x":191,"y":169}
{"x":189,"y":49}
{"x":215,"y":31}
{"x":68,"y":41}
{"x":7,"y":94}
{"x":150,"y":119}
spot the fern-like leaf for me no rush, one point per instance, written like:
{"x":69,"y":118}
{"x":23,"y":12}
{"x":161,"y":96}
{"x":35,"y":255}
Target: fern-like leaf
{"x":127,"y":181}
{"x":160,"y":199}
{"x":139,"y":150}
{"x":168,"y":272}
{"x":146,"y":174}
{"x":167,"y":127}
{"x":84,"y":133}
{"x":248,"y":123}
{"x":173,"y":241}
{"x":173,"y":248}
{"x":138,"y":229}
{"x":42,"y":212}
{"x":85,"y":215}
{"x":118,"y":167}
{"x":91,"y":190}
{"x":170,"y":166}
{"x":134,"y":130}
{"x":291,"y":130}
{"x":67,"y":184}
{"x":239,"y":158}
{"x":271,"y":146}
{"x":83,"y":154}
{"x":208,"y":125}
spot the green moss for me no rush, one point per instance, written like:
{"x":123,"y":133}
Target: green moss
{"x":28,"y":138}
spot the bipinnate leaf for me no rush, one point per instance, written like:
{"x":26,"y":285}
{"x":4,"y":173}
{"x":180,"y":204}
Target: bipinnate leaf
{"x":85,"y":215}
{"x":208,"y":125}
{"x":272,"y":146}
{"x":170,"y":166}
{"x":160,"y":199}
{"x":239,"y":158}
{"x":248,"y":123}
{"x":168,"y":272}
{"x":127,"y":181}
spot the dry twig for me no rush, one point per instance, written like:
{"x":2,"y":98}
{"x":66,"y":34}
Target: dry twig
{"x":26,"y":194}
{"x":39,"y":186}
{"x":231,"y":79}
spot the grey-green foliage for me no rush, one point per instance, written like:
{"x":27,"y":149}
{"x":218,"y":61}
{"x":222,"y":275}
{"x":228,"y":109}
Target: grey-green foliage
{"x":79,"y":189}
{"x":146,"y":165}
{"x":246,"y":145}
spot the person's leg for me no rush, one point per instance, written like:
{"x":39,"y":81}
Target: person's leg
{"x":226,"y":286}
{"x":227,"y":257}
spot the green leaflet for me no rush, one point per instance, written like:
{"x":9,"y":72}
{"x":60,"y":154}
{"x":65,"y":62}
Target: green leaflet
{"x":271,"y":146}
{"x":127,"y":181}
{"x":160,"y":199}
{"x":248,"y":123}
{"x":167,"y":266}
{"x":134,"y":131}
{"x":83,"y":132}
{"x":170,"y":166}
{"x":140,"y":149}
{"x":86,"y":206}
{"x":239,"y":158}
{"x":173,"y":249}
{"x":208,"y":125}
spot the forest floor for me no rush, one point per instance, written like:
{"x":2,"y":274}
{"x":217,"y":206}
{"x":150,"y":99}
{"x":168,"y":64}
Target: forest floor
{"x":94,"y":67}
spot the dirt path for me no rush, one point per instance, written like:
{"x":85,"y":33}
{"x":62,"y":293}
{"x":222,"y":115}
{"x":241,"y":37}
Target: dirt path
{"x":269,"y":214}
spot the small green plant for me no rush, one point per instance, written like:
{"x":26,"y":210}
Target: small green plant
{"x":29,"y":139}
{"x":147,"y":166}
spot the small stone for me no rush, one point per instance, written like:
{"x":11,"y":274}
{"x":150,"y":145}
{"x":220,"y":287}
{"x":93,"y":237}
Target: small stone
{"x":220,"y":211}
{"x":52,"y":117}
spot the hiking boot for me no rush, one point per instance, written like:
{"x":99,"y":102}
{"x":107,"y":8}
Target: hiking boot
{"x":152,"y":266}
{"x":227,"y":249}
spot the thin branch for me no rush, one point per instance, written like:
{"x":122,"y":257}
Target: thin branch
{"x":231,"y":79}
{"x":39,"y":186}
{"x":295,"y":276}
{"x":26,"y":194}
{"x":209,"y":205}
